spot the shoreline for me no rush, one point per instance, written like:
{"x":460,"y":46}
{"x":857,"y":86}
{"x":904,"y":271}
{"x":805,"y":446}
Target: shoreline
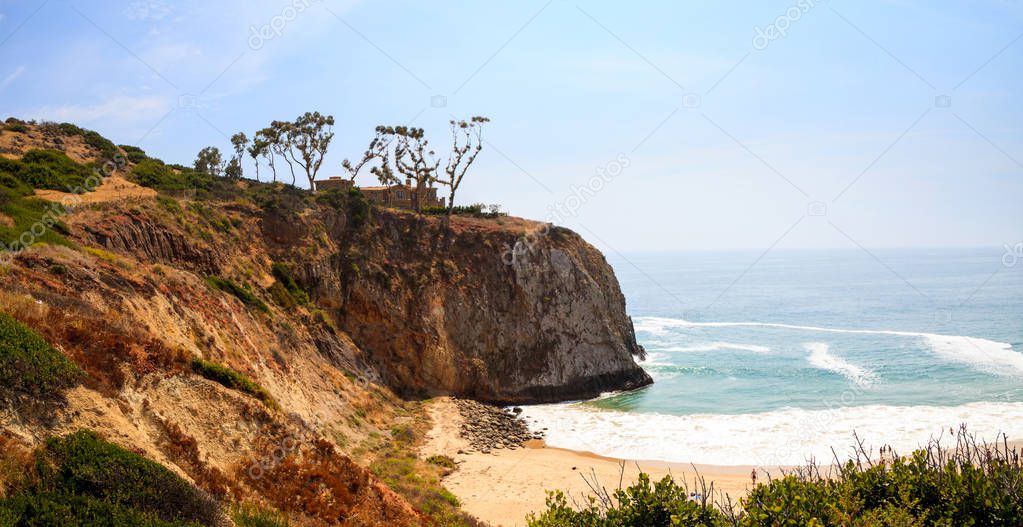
{"x":504,"y":486}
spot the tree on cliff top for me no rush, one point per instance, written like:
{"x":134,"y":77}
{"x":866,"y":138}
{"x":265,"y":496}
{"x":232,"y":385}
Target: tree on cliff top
{"x":239,"y":142}
{"x":413,"y":160}
{"x":308,"y":138}
{"x":209,"y":161}
{"x":466,"y":143}
{"x":377,"y":149}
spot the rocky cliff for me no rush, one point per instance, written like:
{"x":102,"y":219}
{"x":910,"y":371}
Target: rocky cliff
{"x":436,"y":306}
{"x":458,"y":309}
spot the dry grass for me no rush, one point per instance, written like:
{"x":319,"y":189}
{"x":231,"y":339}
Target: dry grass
{"x":184,"y":450}
{"x":106,"y":346}
{"x":15,"y":464}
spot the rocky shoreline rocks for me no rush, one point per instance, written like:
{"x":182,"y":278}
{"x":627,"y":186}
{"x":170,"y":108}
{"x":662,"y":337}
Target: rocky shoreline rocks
{"x":488,"y":428}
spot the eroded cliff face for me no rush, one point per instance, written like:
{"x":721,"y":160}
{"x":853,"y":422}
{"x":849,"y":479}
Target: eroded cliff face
{"x":456,"y":309}
{"x":460,"y":306}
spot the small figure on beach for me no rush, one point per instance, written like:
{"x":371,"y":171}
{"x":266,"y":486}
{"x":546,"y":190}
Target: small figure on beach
{"x":753,"y":476}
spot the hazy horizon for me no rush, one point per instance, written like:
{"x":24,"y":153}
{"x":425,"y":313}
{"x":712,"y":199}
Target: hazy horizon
{"x":800,"y":124}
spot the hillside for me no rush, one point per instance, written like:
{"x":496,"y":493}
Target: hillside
{"x":266,"y":344}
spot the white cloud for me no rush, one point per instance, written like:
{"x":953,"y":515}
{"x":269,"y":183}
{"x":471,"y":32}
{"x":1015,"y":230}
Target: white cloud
{"x":11,"y":78}
{"x":120,"y":109}
{"x":147,"y":10}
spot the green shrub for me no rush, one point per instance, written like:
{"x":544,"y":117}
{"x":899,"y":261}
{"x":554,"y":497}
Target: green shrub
{"x":16,"y":127}
{"x":252,"y":516}
{"x":31,"y":216}
{"x":280,"y":296}
{"x":106,"y":148}
{"x":170,"y":204}
{"x":233,"y":380}
{"x":968,"y":484}
{"x":972,"y":485}
{"x":134,"y":153}
{"x":69,"y":510}
{"x":442,"y":461}
{"x":403,"y":434}
{"x":85,"y":481}
{"x":420,"y":484}
{"x":49,"y":169}
{"x":157,"y":175}
{"x":28,"y":364}
{"x":283,"y":276}
{"x":352,"y":202}
{"x":476,"y":210}
{"x":239,"y":292}
{"x":644,"y":504}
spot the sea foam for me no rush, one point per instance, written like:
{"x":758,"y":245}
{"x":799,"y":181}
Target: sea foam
{"x":821,"y":357}
{"x":716,"y":346}
{"x":985,"y":355}
{"x":788,"y":436}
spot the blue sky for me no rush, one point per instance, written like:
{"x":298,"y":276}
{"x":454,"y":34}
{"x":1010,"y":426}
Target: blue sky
{"x":655,"y":126}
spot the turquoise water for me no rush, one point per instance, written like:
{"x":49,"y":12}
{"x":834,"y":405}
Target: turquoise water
{"x":809,"y":346}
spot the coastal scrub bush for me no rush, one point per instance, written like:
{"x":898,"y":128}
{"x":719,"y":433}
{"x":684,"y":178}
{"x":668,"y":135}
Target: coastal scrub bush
{"x":645,"y":503}
{"x":476,"y":210}
{"x":352,"y":202}
{"x":157,"y":175}
{"x":283,"y":276}
{"x":82,"y":480}
{"x":967,"y":484}
{"x":28,"y":364}
{"x":47,"y":169}
{"x":442,"y":461}
{"x":238,"y":292}
{"x":420,"y":484}
{"x":34,"y":220}
{"x":233,"y":380}
{"x":106,"y":148}
{"x":16,"y":127}
{"x":252,"y":516}
{"x":134,"y":153}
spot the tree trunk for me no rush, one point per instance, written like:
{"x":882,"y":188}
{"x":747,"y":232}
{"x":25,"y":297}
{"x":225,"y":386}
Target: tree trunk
{"x":451,"y":200}
{"x":417,"y":195}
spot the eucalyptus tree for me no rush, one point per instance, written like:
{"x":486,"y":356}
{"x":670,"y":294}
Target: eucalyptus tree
{"x":209,"y":161}
{"x":466,"y":144}
{"x":280,"y":136}
{"x":377,"y":150}
{"x":308,"y":139}
{"x":239,"y":142}
{"x":413,"y":159}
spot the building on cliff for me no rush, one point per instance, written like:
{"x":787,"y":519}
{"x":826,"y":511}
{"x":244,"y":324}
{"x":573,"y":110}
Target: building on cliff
{"x":334,"y":183}
{"x":400,"y":196}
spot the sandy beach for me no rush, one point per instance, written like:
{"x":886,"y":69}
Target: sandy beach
{"x":503,"y":487}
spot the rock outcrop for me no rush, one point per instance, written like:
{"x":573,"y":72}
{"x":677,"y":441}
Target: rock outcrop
{"x":462,"y":312}
{"x":438,"y":307}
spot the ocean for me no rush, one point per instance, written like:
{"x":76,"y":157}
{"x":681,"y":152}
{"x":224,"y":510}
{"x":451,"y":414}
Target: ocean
{"x":780,"y":358}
